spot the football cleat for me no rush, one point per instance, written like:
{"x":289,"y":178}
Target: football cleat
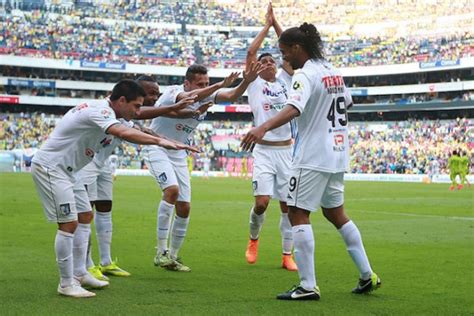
{"x":96,"y":273}
{"x":163,"y":260}
{"x":367,"y":286}
{"x":88,"y":281}
{"x":252,"y":251}
{"x":74,"y":290}
{"x":298,"y":293}
{"x":288,"y":263}
{"x":114,"y":269}
{"x":178,"y":266}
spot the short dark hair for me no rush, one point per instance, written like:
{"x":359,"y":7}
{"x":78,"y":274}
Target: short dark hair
{"x":127,"y":88}
{"x":195,"y":69}
{"x":145,"y":78}
{"x":307,"y":36}
{"x":264,"y":55}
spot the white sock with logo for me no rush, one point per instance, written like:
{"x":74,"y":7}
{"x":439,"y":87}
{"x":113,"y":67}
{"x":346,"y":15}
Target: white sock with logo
{"x":178,"y":232}
{"x":63,"y":250}
{"x":103,"y":228}
{"x":165,"y":210}
{"x":256,"y":223}
{"x":351,"y":235}
{"x":286,"y":234}
{"x":304,"y":255}
{"x":79,"y":248}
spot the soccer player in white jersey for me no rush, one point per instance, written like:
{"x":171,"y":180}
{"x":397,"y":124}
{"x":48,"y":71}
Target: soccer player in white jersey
{"x":272,"y":155}
{"x":319,"y":98}
{"x":170,"y":167}
{"x":82,"y":132}
{"x":97,"y":176}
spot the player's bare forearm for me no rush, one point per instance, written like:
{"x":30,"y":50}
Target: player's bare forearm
{"x":255,"y":45}
{"x":133,"y":135}
{"x":256,"y":134}
{"x":288,"y":113}
{"x":233,"y":94}
{"x":150,"y":112}
{"x":184,"y":113}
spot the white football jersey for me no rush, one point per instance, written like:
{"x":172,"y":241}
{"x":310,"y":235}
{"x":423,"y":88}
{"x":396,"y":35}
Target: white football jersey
{"x":319,"y":93}
{"x":78,"y":136}
{"x":266,"y":99}
{"x":179,"y":129}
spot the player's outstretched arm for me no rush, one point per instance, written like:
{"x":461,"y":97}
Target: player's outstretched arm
{"x":150,"y":112}
{"x":135,"y":136}
{"x":258,"y":40}
{"x":250,"y":74}
{"x":256,"y":134}
{"x":203,"y":93}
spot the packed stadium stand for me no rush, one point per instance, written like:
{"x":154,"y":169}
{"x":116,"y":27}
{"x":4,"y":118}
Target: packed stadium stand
{"x":409,"y":65}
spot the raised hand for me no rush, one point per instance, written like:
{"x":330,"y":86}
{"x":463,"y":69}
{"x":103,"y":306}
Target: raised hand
{"x":253,"y":71}
{"x":229,"y":80}
{"x":184,"y":103}
{"x":269,"y":17}
{"x":203,"y":108}
{"x":253,"y":136}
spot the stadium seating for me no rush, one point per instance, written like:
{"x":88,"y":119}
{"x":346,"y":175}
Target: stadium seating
{"x":404,"y":147}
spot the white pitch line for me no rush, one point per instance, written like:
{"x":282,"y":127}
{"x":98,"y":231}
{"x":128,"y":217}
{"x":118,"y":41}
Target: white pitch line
{"x":461,"y":218}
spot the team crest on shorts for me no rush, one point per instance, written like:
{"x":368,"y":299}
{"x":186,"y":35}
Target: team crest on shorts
{"x":162,"y":178}
{"x":254,"y":185}
{"x":65,"y":209}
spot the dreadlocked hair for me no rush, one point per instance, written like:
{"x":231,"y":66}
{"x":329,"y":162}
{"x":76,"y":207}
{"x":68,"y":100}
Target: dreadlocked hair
{"x":307,"y":36}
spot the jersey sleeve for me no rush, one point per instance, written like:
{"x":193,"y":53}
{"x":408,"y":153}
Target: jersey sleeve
{"x":169,"y":96}
{"x":347,"y":96}
{"x":300,"y":91}
{"x":103,"y":117}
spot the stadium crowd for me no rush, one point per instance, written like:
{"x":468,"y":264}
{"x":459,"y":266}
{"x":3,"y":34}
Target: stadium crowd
{"x":84,"y":33}
{"x":405,"y":147}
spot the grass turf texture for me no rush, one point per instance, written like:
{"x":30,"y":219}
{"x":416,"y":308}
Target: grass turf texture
{"x":420,"y":240}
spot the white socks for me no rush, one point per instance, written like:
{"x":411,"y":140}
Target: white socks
{"x":103,"y":227}
{"x":178,"y":232}
{"x":351,"y":235}
{"x":79,"y":249}
{"x":286,"y":234}
{"x":63,"y":250}
{"x":165,"y":210}
{"x":256,"y":222}
{"x":89,"y":261}
{"x":304,"y":255}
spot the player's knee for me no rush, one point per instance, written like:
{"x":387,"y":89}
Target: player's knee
{"x":170,"y":194}
{"x":69,"y":227}
{"x":85,"y":218}
{"x":103,"y":206}
{"x":183,"y":209}
{"x":261,"y":204}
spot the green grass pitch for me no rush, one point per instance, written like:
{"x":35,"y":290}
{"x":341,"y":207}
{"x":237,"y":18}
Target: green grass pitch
{"x":419,"y":238}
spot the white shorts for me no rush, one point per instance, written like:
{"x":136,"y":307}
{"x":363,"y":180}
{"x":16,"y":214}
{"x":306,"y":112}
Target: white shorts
{"x":309,"y":189}
{"x":56,"y":191}
{"x":98,"y":182}
{"x":271,"y":171}
{"x":169,"y":171}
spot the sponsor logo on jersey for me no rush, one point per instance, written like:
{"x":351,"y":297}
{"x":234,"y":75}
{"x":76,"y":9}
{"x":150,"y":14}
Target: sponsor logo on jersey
{"x":297,"y":86}
{"x":338,"y":139}
{"x":80,"y":107}
{"x":184,"y":128}
{"x":276,"y":106}
{"x":269,"y":92}
{"x":106,"y":142}
{"x":65,"y":209}
{"x":162,"y":178}
{"x":89,"y":153}
{"x":295,"y":97}
{"x":339,"y":143}
{"x":105,"y":113}
{"x":333,"y":84}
